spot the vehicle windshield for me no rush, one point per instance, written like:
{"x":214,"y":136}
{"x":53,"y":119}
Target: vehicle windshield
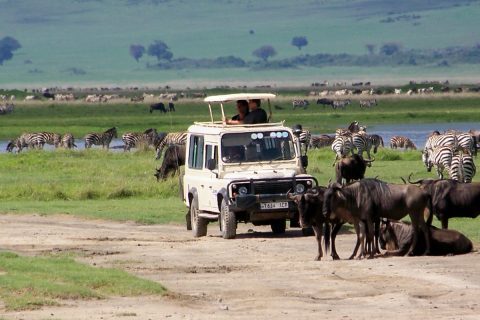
{"x":257,"y":146}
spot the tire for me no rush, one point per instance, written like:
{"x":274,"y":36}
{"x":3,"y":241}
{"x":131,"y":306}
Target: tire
{"x":279,"y":226}
{"x":228,"y":221}
{"x":199,"y":225}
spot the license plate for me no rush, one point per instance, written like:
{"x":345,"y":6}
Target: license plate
{"x":274,"y":205}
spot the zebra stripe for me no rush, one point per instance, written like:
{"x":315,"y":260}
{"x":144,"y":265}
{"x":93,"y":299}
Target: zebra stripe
{"x":341,"y":103}
{"x":377,"y":141}
{"x":437,"y":139}
{"x":170,"y":138}
{"x":362,"y":143}
{"x":401,"y":142}
{"x":463,"y":168}
{"x":321,"y":141}
{"x":467,"y":141}
{"x":103,"y":139}
{"x":68,"y":141}
{"x":134,"y":139}
{"x":300,"y":103}
{"x":342,"y":146}
{"x":368,"y":103}
{"x":50,"y":138}
{"x":440,"y":157}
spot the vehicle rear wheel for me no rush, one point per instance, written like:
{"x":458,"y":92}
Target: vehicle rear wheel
{"x":198,"y":224}
{"x":279,"y":226}
{"x":228,"y":221}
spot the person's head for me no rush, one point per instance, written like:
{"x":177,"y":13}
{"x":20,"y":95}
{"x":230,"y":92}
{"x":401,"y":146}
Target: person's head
{"x":254,"y":104}
{"x":242,"y":106}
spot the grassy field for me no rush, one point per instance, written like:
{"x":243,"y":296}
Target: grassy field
{"x":29,"y":283}
{"x":81,"y":119}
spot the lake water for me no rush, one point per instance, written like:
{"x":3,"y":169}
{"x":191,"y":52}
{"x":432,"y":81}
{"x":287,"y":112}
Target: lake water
{"x":416,"y":132}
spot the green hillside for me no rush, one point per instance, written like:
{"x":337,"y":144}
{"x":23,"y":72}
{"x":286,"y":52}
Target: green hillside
{"x":87,"y":41}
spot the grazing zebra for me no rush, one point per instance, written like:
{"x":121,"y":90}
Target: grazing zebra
{"x":362,"y":143}
{"x":321,"y":141}
{"x":376,"y":142}
{"x":341,"y":103}
{"x":300,"y":103}
{"x":68,"y":141}
{"x":26,"y":140}
{"x":440,"y":157}
{"x":134,"y":139}
{"x":168,"y":139}
{"x":401,"y":142}
{"x":368,"y":103}
{"x":342,"y":146}
{"x":49,"y":138}
{"x":103,"y":139}
{"x":462,"y":168}
{"x":436,"y":139}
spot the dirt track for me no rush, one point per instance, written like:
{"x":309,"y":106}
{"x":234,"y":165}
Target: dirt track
{"x":255,"y":276}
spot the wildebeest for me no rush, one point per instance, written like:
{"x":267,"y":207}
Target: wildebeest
{"x":451,"y":198}
{"x":351,"y":168}
{"x":325,"y":102}
{"x":172,"y":161}
{"x":397,"y":236}
{"x":158,"y":106}
{"x":368,"y":200}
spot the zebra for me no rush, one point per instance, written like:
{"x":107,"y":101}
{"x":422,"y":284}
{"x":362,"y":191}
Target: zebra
{"x":342,"y":146}
{"x":321,"y":141}
{"x":49,"y":138}
{"x":103,"y":139}
{"x":467,"y":141}
{"x":341,"y":103}
{"x":362,"y":143}
{"x":436,"y":139}
{"x":401,"y":142}
{"x":169,"y":138}
{"x":440,"y":157}
{"x":134,"y":139}
{"x":26,"y":140}
{"x":68,"y":141}
{"x":368,"y":103}
{"x":300,"y":103}
{"x":462,"y":168}
{"x":376,"y":142}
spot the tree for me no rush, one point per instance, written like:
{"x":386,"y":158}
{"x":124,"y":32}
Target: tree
{"x":160,"y":50}
{"x":137,"y":51}
{"x":299,"y":42}
{"x":370,"y":48}
{"x":7,"y":46}
{"x":264,"y":52}
{"x":390,"y":48}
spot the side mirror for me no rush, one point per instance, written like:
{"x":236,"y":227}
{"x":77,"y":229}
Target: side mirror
{"x":211,"y":164}
{"x":304,"y":161}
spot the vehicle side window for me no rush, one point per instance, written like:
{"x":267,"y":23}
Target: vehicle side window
{"x":211,"y":152}
{"x":195,"y":153}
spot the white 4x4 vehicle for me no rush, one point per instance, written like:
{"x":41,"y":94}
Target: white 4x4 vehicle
{"x":242,"y":173}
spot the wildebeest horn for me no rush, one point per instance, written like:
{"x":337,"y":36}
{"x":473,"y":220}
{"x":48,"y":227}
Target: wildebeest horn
{"x":369,"y":161}
{"x":413,"y":182}
{"x":404,"y":181}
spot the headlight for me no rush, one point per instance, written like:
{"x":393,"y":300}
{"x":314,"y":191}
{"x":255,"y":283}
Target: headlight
{"x":299,"y":188}
{"x":242,"y":190}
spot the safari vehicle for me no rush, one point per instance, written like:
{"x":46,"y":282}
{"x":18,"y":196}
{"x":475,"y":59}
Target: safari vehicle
{"x":242,"y":173}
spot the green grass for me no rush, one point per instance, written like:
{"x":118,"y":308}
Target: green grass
{"x":81,"y":119}
{"x":29,"y":283}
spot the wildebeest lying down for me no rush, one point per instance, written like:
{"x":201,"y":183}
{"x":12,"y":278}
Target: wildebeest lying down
{"x":451,"y":198}
{"x":172,"y":161}
{"x":368,"y":200}
{"x":397,"y":237}
{"x":310,"y":205}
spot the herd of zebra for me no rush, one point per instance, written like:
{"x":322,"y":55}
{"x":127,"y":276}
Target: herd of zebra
{"x":452,"y":151}
{"x":335,"y":104}
{"x":149,"y":137}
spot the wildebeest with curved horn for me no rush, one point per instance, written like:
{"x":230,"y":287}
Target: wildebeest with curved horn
{"x":351,"y":168}
{"x":396,"y":237}
{"x":451,"y":198}
{"x":368,"y":200}
{"x":172,"y":161}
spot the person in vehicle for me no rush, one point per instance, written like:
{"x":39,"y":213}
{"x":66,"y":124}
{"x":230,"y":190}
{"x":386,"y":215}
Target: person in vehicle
{"x":242,"y":109}
{"x":256,"y":114}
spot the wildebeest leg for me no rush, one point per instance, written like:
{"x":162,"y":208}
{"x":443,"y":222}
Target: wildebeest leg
{"x":363,"y":231}
{"x":377,"y":235}
{"x":370,"y":238}
{"x":357,"y":231}
{"x":444,"y":222}
{"x":318,"y":235}
{"x":335,"y":230}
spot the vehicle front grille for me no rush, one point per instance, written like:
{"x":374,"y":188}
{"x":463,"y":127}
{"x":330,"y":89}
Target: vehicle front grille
{"x":273,"y":187}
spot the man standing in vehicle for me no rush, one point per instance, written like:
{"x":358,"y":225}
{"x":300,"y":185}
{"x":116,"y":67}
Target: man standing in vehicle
{"x":256,"y":114}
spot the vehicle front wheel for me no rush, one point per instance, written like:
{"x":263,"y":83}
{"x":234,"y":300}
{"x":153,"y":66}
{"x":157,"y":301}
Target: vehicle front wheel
{"x":278,"y":226}
{"x":228,"y":221}
{"x":198,"y":224}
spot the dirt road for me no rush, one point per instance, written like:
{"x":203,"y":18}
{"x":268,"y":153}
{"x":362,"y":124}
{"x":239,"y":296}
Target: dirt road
{"x":256,"y":276}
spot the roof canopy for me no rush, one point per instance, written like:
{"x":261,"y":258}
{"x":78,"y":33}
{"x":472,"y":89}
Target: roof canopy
{"x":239,"y":96}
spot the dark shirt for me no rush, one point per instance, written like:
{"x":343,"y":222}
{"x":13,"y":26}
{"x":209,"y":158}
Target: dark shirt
{"x":237,"y":117}
{"x":257,"y":116}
